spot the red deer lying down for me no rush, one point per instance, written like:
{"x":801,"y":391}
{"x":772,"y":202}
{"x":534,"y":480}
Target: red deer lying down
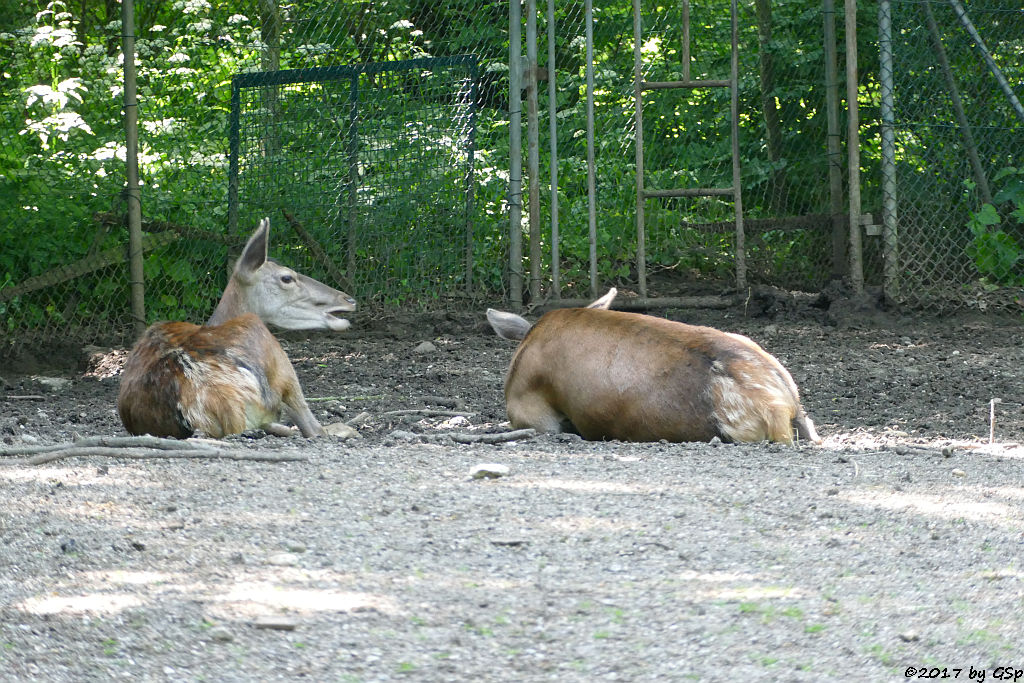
{"x":230,"y":374}
{"x":615,"y":375}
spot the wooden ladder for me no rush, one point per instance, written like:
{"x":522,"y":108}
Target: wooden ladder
{"x":642,"y":192}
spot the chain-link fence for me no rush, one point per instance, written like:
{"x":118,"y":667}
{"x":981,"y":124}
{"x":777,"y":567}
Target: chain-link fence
{"x":690,"y":242}
{"x":942,"y":251}
{"x":956,"y":138}
{"x":390,"y":187}
{"x":371,"y":165}
{"x":359,"y":211}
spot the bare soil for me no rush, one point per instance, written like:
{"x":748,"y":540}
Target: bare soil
{"x":894,"y":549}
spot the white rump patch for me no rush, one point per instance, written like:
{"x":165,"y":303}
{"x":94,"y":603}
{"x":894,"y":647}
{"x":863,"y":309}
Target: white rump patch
{"x":752,"y":411}
{"x":220,"y":390}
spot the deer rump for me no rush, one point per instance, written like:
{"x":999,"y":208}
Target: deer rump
{"x":182,"y":378}
{"x":615,"y":375}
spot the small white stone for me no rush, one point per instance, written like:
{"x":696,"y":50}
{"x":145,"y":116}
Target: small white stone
{"x":220,"y":634}
{"x":283,"y":560}
{"x":342,"y":431}
{"x":275,"y":622}
{"x":425,"y":347}
{"x":54,"y":384}
{"x":489,"y":471}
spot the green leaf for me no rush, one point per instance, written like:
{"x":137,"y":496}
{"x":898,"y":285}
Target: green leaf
{"x":986,"y":216}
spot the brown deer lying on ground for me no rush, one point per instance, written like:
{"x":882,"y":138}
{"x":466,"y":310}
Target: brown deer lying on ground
{"x":230,"y":374}
{"x":614,"y":375}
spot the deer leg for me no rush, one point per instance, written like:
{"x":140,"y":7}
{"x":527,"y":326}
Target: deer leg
{"x":303,"y":417}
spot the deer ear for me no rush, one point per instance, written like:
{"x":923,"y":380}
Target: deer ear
{"x":605,"y":301}
{"x":255,"y":253}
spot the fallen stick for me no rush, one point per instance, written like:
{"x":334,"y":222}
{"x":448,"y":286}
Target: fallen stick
{"x":133,"y":447}
{"x":503,"y":437}
{"x":427,"y":412}
{"x":141,"y":454}
{"x":322,"y":399}
{"x":111,"y":442}
{"x":906,"y":449}
{"x":447,"y":402}
{"x":463,"y":437}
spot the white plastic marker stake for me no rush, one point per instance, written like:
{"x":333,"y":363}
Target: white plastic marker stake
{"x":992,"y":419}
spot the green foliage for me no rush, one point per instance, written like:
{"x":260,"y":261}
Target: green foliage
{"x":997,"y":253}
{"x":62,"y":151}
{"x":62,"y":155}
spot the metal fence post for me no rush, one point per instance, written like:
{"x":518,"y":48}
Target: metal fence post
{"x":591,"y":166}
{"x":470,"y":184}
{"x":533,"y":147}
{"x":958,"y":106}
{"x":352,"y":148}
{"x":890,"y":246}
{"x":997,"y":73}
{"x":641,"y":242}
{"x":556,"y":281}
{"x":734,"y":124}
{"x":515,"y":141}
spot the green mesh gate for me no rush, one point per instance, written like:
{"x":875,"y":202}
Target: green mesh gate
{"x":366,"y":172}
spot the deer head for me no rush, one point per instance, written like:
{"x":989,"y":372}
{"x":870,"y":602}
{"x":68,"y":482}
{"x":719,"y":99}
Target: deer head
{"x":277,"y":294}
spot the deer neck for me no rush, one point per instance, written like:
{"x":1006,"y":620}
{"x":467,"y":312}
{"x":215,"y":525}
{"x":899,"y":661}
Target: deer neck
{"x":231,"y":305}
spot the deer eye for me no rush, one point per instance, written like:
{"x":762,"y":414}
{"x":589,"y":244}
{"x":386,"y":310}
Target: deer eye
{"x":287,"y":279}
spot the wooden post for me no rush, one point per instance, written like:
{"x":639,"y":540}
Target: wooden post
{"x":840,"y":264}
{"x":853,"y":148}
{"x":136,"y":276}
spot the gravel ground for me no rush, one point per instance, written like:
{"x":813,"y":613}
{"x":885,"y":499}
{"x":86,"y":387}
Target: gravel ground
{"x":895,"y":548}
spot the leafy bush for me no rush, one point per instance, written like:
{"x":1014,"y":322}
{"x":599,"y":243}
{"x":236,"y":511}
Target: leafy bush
{"x":996,"y":251}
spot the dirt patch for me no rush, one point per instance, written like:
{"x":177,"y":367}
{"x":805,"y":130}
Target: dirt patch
{"x":897,"y":544}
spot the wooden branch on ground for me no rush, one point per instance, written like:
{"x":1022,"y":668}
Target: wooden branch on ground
{"x":323,"y":399}
{"x":906,"y":449}
{"x":426,"y":412}
{"x":447,"y":402}
{"x":134,"y":447}
{"x":318,"y":251}
{"x":503,"y":437}
{"x":464,"y":437}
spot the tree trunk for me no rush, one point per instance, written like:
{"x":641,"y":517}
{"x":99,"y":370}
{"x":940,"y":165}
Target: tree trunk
{"x":769,"y":108}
